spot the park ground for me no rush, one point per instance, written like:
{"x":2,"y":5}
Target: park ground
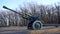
{"x":24,"y":30}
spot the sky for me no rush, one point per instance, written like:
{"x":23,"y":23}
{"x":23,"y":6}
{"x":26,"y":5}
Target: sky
{"x":13,"y":4}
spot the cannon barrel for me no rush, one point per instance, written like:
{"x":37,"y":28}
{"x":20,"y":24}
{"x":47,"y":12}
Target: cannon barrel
{"x":26,"y":16}
{"x":11,"y":10}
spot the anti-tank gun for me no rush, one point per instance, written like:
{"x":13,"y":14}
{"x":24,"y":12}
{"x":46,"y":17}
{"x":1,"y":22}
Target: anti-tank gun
{"x":34,"y":19}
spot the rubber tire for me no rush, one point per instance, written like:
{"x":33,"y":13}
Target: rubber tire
{"x":38,"y":23}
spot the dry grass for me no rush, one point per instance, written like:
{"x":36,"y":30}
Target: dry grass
{"x":45,"y":31}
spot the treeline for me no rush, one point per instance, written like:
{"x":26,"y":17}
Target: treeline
{"x":49,"y":14}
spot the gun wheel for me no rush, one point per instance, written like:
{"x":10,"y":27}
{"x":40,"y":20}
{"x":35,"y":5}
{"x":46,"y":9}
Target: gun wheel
{"x":29,"y":26}
{"x":37,"y":25}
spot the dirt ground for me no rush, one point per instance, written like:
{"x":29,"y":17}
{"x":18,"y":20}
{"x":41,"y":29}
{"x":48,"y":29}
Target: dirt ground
{"x":24,"y":30}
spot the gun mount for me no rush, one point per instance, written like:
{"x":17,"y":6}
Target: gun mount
{"x":25,"y":16}
{"x":34,"y":22}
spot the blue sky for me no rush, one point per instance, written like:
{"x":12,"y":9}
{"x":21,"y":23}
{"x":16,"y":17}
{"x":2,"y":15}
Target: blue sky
{"x":15,"y":3}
